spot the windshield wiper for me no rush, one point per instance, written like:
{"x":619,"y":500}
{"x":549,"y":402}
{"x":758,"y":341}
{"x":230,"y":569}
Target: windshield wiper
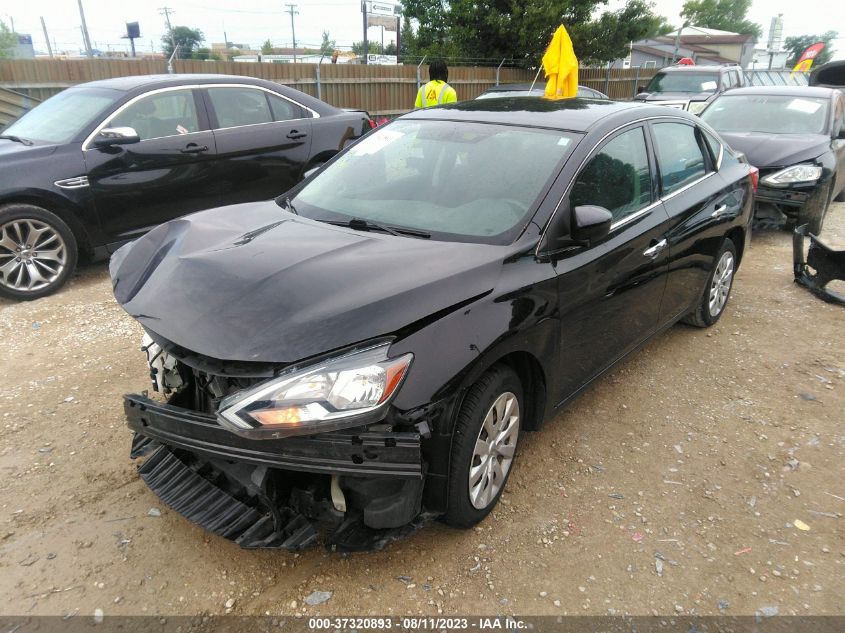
{"x":16,"y":139}
{"x":359,"y":224}
{"x":290,"y":206}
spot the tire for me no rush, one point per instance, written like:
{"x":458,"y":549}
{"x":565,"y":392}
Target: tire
{"x":497,"y":391}
{"x":840,"y":197}
{"x":717,"y":291}
{"x":814,"y":211}
{"x":25,"y":271}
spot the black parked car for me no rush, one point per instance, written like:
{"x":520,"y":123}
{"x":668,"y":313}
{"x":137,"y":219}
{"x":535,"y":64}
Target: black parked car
{"x":103,"y":162}
{"x":691,"y":88}
{"x":537,"y":89}
{"x":795,"y":136}
{"x":365,"y":353}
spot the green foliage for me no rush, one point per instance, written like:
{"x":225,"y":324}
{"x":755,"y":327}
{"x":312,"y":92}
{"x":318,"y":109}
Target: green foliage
{"x":390,"y":48}
{"x":521,"y":29}
{"x":372,"y":47}
{"x":407,"y":39}
{"x":327,"y":46}
{"x":798,"y":44}
{"x":725,"y":15}
{"x":187,"y":39}
{"x":206,"y":53}
{"x":267,"y":48}
{"x":8,"y":41}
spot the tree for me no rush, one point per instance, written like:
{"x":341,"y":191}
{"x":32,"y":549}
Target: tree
{"x":327,"y":46}
{"x":358,"y":47}
{"x":407,"y":39}
{"x":8,"y":41}
{"x":796,"y":45}
{"x":521,"y":30}
{"x":206,"y":53}
{"x":725,"y":15}
{"x":187,"y":39}
{"x":390,"y":48}
{"x":267,"y":48}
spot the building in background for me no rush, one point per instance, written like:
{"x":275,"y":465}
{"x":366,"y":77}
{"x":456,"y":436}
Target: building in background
{"x":706,"y":47}
{"x":24,"y":49}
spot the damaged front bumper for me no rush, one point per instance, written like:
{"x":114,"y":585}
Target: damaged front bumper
{"x":828,"y":264}
{"x":352,"y":490}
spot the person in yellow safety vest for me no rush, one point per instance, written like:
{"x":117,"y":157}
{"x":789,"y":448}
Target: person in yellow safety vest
{"x":436,"y":91}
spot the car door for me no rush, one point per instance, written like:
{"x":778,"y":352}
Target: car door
{"x":699,"y":203}
{"x":263,"y":142}
{"x":168,"y":173}
{"x":610,"y":293}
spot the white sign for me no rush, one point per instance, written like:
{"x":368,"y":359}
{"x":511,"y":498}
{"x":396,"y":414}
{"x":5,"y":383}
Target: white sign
{"x":381,"y":8}
{"x":383,"y":60}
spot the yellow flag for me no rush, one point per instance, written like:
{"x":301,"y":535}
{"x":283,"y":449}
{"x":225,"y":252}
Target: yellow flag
{"x":561,"y":66}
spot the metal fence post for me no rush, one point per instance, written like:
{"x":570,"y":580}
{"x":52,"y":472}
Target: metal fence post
{"x":636,"y":83}
{"x":319,"y":85}
{"x":607,"y":80}
{"x":497,"y":70}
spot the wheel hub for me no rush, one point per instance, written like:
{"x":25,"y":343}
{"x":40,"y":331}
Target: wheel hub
{"x":494,"y":450}
{"x":32,"y":255}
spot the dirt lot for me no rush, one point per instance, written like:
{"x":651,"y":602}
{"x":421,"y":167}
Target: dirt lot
{"x":677,"y":483}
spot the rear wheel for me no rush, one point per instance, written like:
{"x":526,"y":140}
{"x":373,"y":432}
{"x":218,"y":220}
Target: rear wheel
{"x":718,"y":288}
{"x":484,"y":446}
{"x":37,"y":252}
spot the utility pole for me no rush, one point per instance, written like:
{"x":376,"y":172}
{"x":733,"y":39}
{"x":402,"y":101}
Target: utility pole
{"x":366,"y":26}
{"x":46,"y":37}
{"x":166,"y":11}
{"x":85,"y":38}
{"x":292,"y":10}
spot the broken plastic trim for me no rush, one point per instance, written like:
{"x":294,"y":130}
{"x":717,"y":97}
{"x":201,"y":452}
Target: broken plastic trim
{"x":829,"y":265}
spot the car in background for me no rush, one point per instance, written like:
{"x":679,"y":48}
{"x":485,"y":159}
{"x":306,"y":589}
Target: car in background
{"x":795,"y":136}
{"x":829,"y":75}
{"x":537,"y":90}
{"x":366,"y":352}
{"x":690,"y":88}
{"x":101,"y":163}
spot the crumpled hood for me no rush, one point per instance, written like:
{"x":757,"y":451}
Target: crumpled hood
{"x":777,"y":150}
{"x":252,"y":282}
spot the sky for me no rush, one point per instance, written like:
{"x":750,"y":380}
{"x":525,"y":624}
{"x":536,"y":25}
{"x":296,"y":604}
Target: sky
{"x":254,"y":21}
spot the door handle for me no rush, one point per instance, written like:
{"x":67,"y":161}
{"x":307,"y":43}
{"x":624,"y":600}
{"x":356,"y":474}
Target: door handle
{"x":193,"y":148}
{"x":654,"y":251}
{"x":295,"y":134}
{"x":719,"y":211}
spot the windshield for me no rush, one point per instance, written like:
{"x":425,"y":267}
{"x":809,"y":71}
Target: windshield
{"x":473,"y":182}
{"x":63,"y":117}
{"x":537,"y":92}
{"x":772,"y":114}
{"x":684,"y":82}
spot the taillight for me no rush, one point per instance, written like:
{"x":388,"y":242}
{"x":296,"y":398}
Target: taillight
{"x":372,"y":124}
{"x":754,"y":173}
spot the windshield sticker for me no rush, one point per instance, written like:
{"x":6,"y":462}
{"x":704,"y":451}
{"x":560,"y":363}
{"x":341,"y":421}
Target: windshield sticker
{"x":802,"y":105}
{"x":376,"y":142}
{"x":708,"y":85}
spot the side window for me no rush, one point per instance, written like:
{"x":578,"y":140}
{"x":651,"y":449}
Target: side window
{"x":617,"y":178}
{"x":713,"y":145}
{"x":166,"y":113}
{"x":239,"y":106}
{"x":679,"y":156}
{"x":282,"y":109}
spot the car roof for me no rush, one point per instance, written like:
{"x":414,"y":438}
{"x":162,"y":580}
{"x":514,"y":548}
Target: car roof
{"x":576,"y":115}
{"x":691,"y":69}
{"x":786,"y":91}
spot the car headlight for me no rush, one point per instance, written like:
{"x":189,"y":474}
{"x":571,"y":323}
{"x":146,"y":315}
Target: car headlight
{"x":327,"y":396}
{"x":794,"y":174}
{"x":695,"y":107}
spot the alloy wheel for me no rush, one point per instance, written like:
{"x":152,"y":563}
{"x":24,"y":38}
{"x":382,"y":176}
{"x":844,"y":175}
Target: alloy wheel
{"x":32,"y":255}
{"x":721,"y":285}
{"x":494,"y":450}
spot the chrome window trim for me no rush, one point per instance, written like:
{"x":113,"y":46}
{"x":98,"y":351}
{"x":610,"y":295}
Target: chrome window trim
{"x":86,"y":143}
{"x":637,"y":214}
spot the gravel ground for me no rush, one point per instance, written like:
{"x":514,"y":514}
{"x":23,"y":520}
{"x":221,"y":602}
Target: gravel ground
{"x":704,"y":475}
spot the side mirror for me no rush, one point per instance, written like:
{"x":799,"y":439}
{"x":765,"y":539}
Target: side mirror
{"x":590,"y":223}
{"x":640,"y":90}
{"x":116,"y":136}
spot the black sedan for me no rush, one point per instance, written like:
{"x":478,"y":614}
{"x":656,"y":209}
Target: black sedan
{"x":101,"y":163}
{"x":534,"y":90}
{"x":795,"y":136}
{"x":366,"y":352}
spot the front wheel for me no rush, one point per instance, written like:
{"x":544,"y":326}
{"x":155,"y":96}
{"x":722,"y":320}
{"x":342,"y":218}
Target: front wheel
{"x":37,"y":252}
{"x":718,"y":288}
{"x":484,"y":446}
